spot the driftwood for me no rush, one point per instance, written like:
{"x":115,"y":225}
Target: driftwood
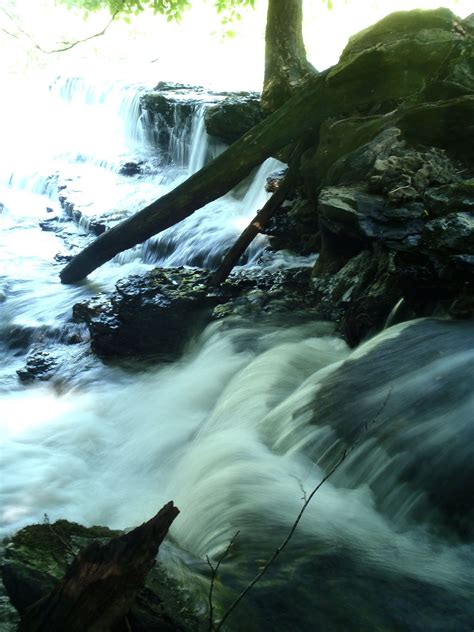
{"x":284,"y":127}
{"x":101,"y":583}
{"x":260,"y":220}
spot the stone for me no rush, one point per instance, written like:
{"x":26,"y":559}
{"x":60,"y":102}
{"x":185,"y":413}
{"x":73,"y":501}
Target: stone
{"x":149,"y":316}
{"x":131,"y":168}
{"x":457,"y":196}
{"x":453,"y":233}
{"x":233,"y":117}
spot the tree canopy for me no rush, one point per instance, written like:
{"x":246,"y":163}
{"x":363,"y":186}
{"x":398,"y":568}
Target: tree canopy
{"x":171,"y":9}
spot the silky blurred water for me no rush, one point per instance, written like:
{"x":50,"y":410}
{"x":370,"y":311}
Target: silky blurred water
{"x":246,"y":423}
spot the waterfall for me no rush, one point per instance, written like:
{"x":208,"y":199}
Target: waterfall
{"x":249,"y":419}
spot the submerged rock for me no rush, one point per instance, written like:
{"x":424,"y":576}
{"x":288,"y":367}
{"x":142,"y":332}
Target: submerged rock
{"x":408,"y":392}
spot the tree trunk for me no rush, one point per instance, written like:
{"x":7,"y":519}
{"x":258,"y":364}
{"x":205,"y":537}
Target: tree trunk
{"x":286,"y":65}
{"x":101,"y":583}
{"x":301,"y":115}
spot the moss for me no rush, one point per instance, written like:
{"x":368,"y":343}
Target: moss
{"x":50,"y":547}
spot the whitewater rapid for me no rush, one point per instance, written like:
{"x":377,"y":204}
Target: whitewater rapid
{"x":247,"y":422}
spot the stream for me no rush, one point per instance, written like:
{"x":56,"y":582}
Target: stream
{"x":246,"y":423}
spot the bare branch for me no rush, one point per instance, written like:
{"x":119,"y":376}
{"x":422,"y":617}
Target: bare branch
{"x":307,"y":499}
{"x":21,"y":33}
{"x":214,"y":570}
{"x":280,"y":548}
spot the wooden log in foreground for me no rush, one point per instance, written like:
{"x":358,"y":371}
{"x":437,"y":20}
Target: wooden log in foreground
{"x":285,"y":126}
{"x":99,"y":586}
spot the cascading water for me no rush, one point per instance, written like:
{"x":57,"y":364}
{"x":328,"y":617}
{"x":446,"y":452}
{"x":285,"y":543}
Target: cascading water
{"x":246,"y":423}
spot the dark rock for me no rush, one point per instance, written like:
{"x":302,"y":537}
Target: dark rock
{"x":458,"y":196}
{"x":131,"y":168}
{"x":273,"y":180}
{"x":40,"y":365}
{"x":51,"y":224}
{"x":294,"y":227}
{"x":233,"y":117}
{"x":453,"y":233}
{"x":360,"y":296}
{"x":36,"y":558}
{"x":152,"y":315}
{"x":170,"y":107}
{"x":62,"y":258}
{"x":257,"y":293}
{"x":363,"y":217}
{"x":155,"y":315}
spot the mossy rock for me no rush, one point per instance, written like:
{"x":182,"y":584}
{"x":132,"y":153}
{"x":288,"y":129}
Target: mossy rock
{"x":37,"y":557}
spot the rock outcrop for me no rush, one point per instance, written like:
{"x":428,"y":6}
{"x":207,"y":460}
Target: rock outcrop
{"x":391,"y":188}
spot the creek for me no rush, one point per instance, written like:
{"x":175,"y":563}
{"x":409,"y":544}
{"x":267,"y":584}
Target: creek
{"x":246,"y":423}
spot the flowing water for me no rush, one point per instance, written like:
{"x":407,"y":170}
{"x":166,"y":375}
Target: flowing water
{"x":242,"y":428}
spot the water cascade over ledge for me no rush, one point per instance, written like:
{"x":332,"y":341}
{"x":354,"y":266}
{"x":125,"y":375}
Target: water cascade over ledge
{"x":247,"y":421}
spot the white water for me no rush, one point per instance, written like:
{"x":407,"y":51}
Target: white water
{"x":245,"y":423}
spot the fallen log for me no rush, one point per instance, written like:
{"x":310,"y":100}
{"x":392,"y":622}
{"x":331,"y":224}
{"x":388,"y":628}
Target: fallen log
{"x":371,"y":76}
{"x":100,"y":585}
{"x":284,"y":127}
{"x":260,"y":219}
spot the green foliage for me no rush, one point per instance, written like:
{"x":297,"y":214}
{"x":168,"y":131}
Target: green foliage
{"x":171,"y":9}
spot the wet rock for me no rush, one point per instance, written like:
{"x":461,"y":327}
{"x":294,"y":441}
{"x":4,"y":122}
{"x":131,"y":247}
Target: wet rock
{"x":453,"y":233}
{"x":273,"y":180}
{"x":170,"y":107}
{"x":257,"y":293}
{"x":233,"y":117}
{"x":361,"y":217}
{"x":36,"y":558}
{"x":54,"y":353}
{"x":51,"y":224}
{"x":40,"y":365}
{"x":152,"y":315}
{"x":457,"y":196}
{"x":155,"y":315}
{"x":131,"y":168}
{"x":360,"y":296}
{"x":294,"y":227}
{"x":62,"y":257}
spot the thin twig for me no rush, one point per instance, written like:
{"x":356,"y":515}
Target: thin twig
{"x":307,"y":500}
{"x":280,"y":548}
{"x":67,"y":45}
{"x":214,"y":570}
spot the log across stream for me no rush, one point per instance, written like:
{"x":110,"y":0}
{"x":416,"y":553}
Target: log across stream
{"x":238,"y":430}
